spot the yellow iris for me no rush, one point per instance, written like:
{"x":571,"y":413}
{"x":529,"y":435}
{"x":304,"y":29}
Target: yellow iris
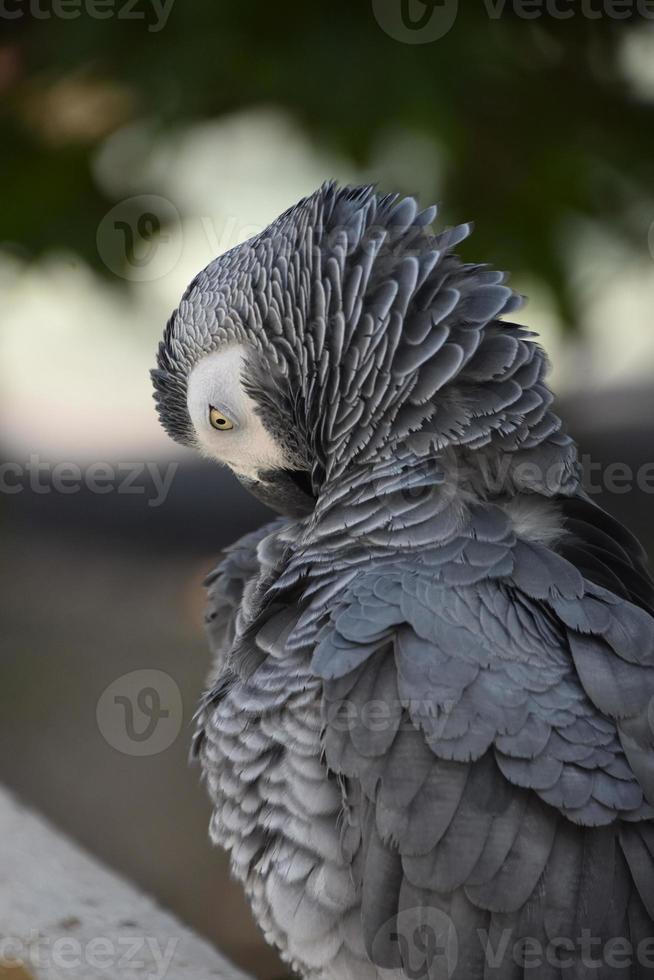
{"x":219,"y":420}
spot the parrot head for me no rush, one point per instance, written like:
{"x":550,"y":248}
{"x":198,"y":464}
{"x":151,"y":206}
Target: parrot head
{"x":344,"y":337}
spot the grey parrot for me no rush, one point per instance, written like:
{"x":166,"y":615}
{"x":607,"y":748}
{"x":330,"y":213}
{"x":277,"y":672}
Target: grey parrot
{"x":428,"y":732}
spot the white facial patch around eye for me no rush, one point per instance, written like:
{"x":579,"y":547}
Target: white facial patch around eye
{"x":216,"y":383}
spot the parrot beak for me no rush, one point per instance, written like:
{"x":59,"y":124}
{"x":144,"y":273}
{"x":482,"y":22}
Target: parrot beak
{"x":289,"y":492}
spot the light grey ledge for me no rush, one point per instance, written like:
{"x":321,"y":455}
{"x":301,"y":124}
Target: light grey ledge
{"x":63,"y":916}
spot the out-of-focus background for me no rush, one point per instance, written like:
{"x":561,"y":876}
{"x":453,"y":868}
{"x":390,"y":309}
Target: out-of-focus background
{"x":138,"y":141}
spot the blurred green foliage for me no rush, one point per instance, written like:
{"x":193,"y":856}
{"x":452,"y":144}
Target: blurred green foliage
{"x":535,"y":120}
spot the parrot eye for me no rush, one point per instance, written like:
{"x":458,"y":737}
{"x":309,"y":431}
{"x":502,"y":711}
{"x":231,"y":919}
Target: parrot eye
{"x":219,"y":420}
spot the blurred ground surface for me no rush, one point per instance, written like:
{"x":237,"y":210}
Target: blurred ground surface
{"x":80,"y":607}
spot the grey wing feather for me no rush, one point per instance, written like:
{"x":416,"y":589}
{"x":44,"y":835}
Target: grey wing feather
{"x":511,"y":783}
{"x":226,"y":585}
